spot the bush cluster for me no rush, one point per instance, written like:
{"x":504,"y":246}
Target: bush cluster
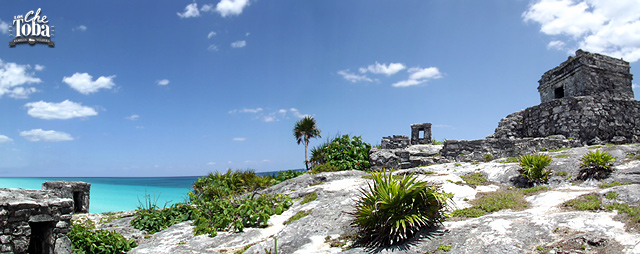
{"x":86,"y":239}
{"x":395,"y":208}
{"x":596,"y":165}
{"x":220,"y":202}
{"x":343,"y":153}
{"x":534,"y":167}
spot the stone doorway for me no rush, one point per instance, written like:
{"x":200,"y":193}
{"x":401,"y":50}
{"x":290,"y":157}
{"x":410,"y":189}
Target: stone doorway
{"x":40,"y":239}
{"x":559,"y":93}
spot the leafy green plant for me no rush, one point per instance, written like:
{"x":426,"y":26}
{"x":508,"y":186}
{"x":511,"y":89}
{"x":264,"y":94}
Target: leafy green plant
{"x":85,"y":238}
{"x":155,"y":220}
{"x":343,"y":153}
{"x":534,"y":167}
{"x":488,"y":157}
{"x":510,"y":160}
{"x":444,"y":247}
{"x":392,"y":209}
{"x":436,"y":142}
{"x":596,"y":165}
{"x":475,"y":179}
{"x":611,"y":195}
{"x":275,"y":246}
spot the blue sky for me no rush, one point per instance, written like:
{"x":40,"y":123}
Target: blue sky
{"x":168,"y":88}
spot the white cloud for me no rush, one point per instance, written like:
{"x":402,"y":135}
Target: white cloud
{"x":634,"y":86}
{"x":37,"y":135}
{"x":245,"y":110}
{"x":239,"y":139}
{"x":81,"y":28}
{"x":39,"y":67}
{"x":270,"y":116}
{"x":212,"y":48}
{"x":190,"y":11}
{"x":139,"y":127}
{"x":601,"y":26}
{"x":207,"y":8}
{"x":83,"y":83}
{"x":4,"y":27}
{"x":63,"y":110}
{"x":388,"y":70}
{"x":132,"y":117}
{"x":231,"y":7}
{"x":559,"y":45}
{"x":211,"y":163}
{"x":162,"y":82}
{"x":5,"y":139}
{"x":353,"y":77}
{"x":419,"y":76}
{"x":239,"y":44}
{"x":12,"y":77}
{"x":211,"y":34}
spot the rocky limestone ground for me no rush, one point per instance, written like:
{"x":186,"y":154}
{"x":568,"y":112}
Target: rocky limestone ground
{"x":545,"y":226}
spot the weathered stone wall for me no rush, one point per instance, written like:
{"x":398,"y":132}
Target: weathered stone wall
{"x":587,"y":119}
{"x":588,"y":74}
{"x":394,"y":142}
{"x":79,"y":192}
{"x":476,"y":150}
{"x":408,"y":157}
{"x":415,"y":134}
{"x":34,"y":221}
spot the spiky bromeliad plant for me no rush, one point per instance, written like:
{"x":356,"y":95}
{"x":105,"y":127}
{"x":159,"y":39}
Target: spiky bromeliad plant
{"x":535,"y":167}
{"x":596,"y":165}
{"x":394,"y":208}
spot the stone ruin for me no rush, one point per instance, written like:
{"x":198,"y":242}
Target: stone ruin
{"x":37,"y":221}
{"x":586,"y":100}
{"x":399,"y":151}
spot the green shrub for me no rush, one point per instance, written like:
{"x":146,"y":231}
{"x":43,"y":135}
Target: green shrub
{"x":510,"y":160}
{"x":323,"y":168}
{"x":533,"y":190}
{"x":343,"y":153}
{"x":534,"y":167}
{"x":436,"y":142}
{"x":394,"y":208}
{"x":155,"y":220}
{"x":216,"y":185}
{"x":86,"y":239}
{"x":282,"y":176}
{"x":611,"y":195}
{"x":443,"y":247}
{"x":488,"y":157}
{"x":470,"y":212}
{"x":596,"y":165}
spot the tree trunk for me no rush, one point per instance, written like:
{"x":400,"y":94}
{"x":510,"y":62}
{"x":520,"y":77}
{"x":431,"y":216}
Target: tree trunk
{"x":306,"y":160}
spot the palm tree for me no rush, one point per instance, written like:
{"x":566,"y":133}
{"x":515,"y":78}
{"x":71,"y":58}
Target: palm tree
{"x":304,"y":130}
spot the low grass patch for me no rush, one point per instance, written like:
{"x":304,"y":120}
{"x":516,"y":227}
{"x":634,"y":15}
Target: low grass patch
{"x":457,"y":165}
{"x":341,"y":241}
{"x":611,"y":195}
{"x":590,"y":202}
{"x":632,"y":213}
{"x":563,"y":173}
{"x":633,"y":156}
{"x":510,"y":160}
{"x":444,"y":247}
{"x":493,"y":201}
{"x":608,"y":185}
{"x":533,"y":190}
{"x":594,"y":147}
{"x":560,"y":156}
{"x":299,"y":215}
{"x":559,"y":150}
{"x":475,"y":179}
{"x":309,"y":197}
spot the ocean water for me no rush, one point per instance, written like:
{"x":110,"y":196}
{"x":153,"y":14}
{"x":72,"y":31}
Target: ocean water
{"x":114,"y":194}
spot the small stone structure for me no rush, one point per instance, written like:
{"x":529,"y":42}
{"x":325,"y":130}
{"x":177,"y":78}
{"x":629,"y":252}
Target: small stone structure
{"x":37,"y":221}
{"x":421,"y":128}
{"x":396,"y":141}
{"x":77,"y":191}
{"x":588,"y":74}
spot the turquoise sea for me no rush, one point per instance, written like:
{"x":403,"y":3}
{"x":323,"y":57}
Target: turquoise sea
{"x":113,"y":194}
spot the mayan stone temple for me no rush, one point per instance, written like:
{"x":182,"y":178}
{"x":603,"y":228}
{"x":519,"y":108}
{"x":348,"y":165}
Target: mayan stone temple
{"x":586,"y":100}
{"x":37,"y":221}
